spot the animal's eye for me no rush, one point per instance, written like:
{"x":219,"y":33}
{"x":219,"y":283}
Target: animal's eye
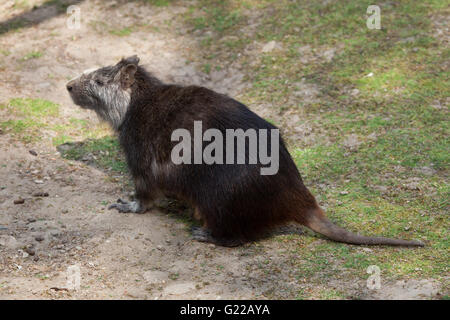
{"x":99,"y":82}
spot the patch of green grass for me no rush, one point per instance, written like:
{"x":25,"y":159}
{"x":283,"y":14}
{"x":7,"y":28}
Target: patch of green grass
{"x":367,"y":211}
{"x":221,"y":19}
{"x":76,"y":129}
{"x":122,"y":32}
{"x":26,"y":107}
{"x":159,"y":3}
{"x":21,"y":4}
{"x":61,"y":139}
{"x":214,"y":15}
{"x":41,"y":276}
{"x":206,"y":68}
{"x":27,"y":117}
{"x":32,"y":55}
{"x":199,"y":23}
{"x":24,"y":128}
{"x":301,"y":295}
{"x":330,"y":294}
{"x":32,"y":119}
{"x":236,"y":43}
{"x":174,"y":276}
{"x":105,"y":152}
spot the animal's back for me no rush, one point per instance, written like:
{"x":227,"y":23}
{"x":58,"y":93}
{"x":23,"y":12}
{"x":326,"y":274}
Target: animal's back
{"x":235,"y":200}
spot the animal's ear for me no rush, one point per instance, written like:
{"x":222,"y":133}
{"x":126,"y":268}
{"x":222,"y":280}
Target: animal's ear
{"x":130,"y":60}
{"x":127,"y":75}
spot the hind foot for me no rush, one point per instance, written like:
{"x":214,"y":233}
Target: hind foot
{"x":127,"y":206}
{"x":204,"y":235}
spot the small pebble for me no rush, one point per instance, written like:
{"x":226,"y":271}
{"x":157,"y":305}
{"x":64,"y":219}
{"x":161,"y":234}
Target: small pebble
{"x":30,"y":251}
{"x":55,"y":233}
{"x":39,"y":238}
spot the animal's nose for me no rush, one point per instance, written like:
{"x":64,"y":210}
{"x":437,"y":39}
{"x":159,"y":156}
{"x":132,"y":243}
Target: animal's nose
{"x":69,"y":86}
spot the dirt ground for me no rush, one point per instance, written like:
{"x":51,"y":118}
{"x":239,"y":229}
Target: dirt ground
{"x":120,"y":256}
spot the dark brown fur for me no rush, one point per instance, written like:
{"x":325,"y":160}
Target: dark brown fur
{"x":235,"y":202}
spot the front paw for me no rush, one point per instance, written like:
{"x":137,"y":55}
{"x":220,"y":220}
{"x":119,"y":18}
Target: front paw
{"x":201,"y":234}
{"x":126,"y":206}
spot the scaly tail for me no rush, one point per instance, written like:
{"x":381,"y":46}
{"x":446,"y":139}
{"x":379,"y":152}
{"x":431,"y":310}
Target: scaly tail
{"x":318,"y":222}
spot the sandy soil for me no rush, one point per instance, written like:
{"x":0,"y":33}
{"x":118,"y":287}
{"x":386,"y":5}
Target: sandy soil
{"x":120,"y":256}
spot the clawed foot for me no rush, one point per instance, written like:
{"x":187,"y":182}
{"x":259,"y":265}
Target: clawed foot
{"x":204,"y":235}
{"x":201,"y":234}
{"x":127,"y":206}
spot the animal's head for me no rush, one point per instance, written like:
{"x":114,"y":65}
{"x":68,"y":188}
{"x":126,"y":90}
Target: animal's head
{"x":106,"y":90}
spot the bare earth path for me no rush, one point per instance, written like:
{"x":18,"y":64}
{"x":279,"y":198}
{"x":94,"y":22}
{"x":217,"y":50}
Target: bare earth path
{"x":119,"y":256}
